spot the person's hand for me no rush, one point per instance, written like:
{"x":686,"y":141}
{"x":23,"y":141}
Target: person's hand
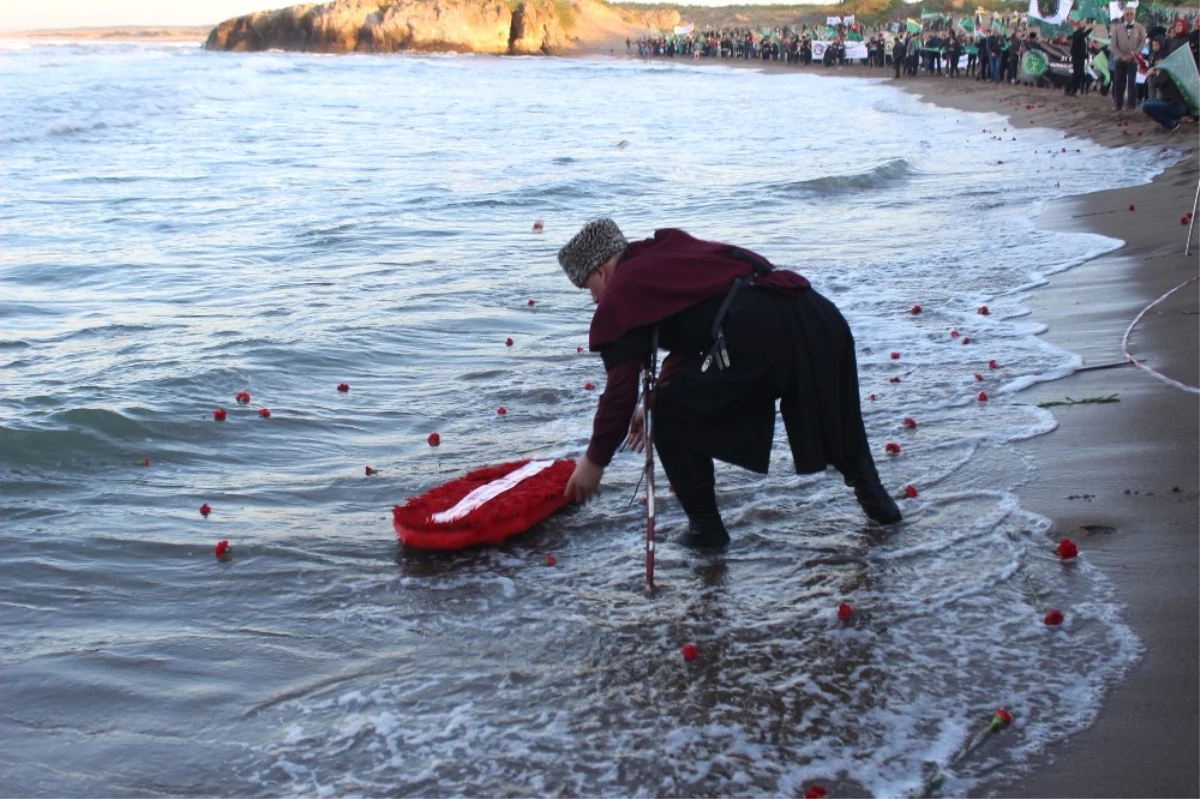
{"x":585,"y":481}
{"x":637,"y":431}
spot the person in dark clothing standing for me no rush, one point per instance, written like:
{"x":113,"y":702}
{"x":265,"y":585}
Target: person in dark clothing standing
{"x":741,"y":334}
{"x":898,"y":51}
{"x":1079,"y":54}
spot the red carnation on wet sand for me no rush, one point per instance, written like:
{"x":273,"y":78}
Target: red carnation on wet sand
{"x":1054,"y":618}
{"x":845,"y":612}
{"x":222,"y":550}
{"x":508,"y":342}
{"x":343,"y":387}
{"x":264,"y":413}
{"x":1002,"y":719}
{"x":219,"y":414}
{"x":910,"y":491}
{"x":434,"y":439}
{"x":689,"y":651}
{"x":243,"y":398}
{"x":205,"y":510}
{"x":550,"y":560}
{"x":816,"y":792}
{"x":983,"y":397}
{"x":910,"y":422}
{"x":1131,"y":207}
{"x":891,"y":448}
{"x":1067,"y":549}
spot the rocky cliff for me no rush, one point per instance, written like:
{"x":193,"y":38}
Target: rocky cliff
{"x":515,"y":27}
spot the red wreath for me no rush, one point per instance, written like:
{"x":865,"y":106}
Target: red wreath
{"x":500,"y":518}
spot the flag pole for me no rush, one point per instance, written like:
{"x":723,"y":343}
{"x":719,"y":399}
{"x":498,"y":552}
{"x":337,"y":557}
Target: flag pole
{"x":1187,"y":250}
{"x":648,"y":385}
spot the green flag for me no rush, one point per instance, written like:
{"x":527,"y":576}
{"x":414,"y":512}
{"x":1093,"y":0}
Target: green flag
{"x":967,"y":24}
{"x":1181,"y":68}
{"x":1100,"y":64}
{"x":913,"y":26}
{"x":1034,"y":63}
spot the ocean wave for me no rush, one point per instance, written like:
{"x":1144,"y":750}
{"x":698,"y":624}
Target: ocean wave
{"x":895,"y":170}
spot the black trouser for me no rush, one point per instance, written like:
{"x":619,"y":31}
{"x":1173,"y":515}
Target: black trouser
{"x":1076,"y":77}
{"x":1124,"y":82}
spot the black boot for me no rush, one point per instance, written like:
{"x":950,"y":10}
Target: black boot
{"x":869,"y":491}
{"x":705,"y":532}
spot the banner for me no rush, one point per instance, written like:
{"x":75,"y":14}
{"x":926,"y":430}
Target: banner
{"x":684,"y":30}
{"x":848,"y":20}
{"x":833,"y":22}
{"x":1180,"y":67}
{"x":1064,"y":8}
{"x":854,"y":50}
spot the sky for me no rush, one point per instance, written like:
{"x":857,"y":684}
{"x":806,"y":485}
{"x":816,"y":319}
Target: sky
{"x":19,"y":15}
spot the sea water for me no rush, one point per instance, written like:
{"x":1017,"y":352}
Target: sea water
{"x":177,"y":226}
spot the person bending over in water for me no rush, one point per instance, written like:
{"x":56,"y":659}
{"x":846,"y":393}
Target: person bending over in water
{"x":741,"y":334}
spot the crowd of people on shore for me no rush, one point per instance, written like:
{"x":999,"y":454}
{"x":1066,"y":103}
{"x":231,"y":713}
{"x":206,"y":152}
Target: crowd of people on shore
{"x":1123,"y":58}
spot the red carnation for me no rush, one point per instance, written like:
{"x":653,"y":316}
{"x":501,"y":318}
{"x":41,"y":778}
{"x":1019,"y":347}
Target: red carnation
{"x":1054,"y":618}
{"x":1131,"y":204}
{"x":689,"y":651}
{"x":264,"y":413}
{"x":983,"y":397}
{"x":551,"y":560}
{"x":219,"y":414}
{"x":845,"y":612}
{"x":578,"y":349}
{"x":871,"y":398}
{"x":983,"y":310}
{"x":978,"y":376}
{"x":530,"y":303}
{"x":891,"y":448}
{"x":508,"y":342}
{"x":1067,"y":549}
{"x":910,"y":491}
{"x":538,"y":225}
{"x":895,"y":356}
{"x":966,"y":340}
{"x":372,"y":472}
{"x":893,"y":379}
{"x":243,"y":398}
{"x":501,"y":411}
{"x":205,"y":510}
{"x":910,"y":422}
{"x":1002,"y":719}
{"x":916,"y":309}
{"x":222,"y":550}
{"x":816,"y":792}
{"x":953,"y":334}
{"x":145,"y":461}
{"x":993,"y":365}
{"x":588,"y":386}
{"x":343,"y":387}
{"x":434,"y":439}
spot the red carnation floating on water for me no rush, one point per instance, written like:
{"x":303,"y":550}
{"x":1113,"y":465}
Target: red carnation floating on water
{"x":578,"y":350}
{"x":871,"y":398}
{"x":816,"y":792}
{"x":891,"y":448}
{"x":966,"y":340}
{"x":501,"y":411}
{"x":689,"y":651}
{"x":1054,"y":618}
{"x":978,"y":376}
{"x":982,"y":310}
{"x":845,"y":612}
{"x":993,"y":365}
{"x":1002,"y":719}
{"x":508,"y":342}
{"x":530,"y":302}
{"x":205,"y":510}
{"x":343,"y":387}
{"x":1067,"y":549}
{"x":983,"y":397}
{"x":954,"y":334}
{"x":895,"y":356}
{"x":550,"y":560}
{"x":910,"y":422}
{"x":145,"y":461}
{"x":219,"y":414}
{"x":222,"y":550}
{"x":910,"y":491}
{"x":264,"y":413}
{"x":371,"y":472}
{"x":243,"y":398}
{"x":538,"y":226}
{"x":434,"y":439}
{"x":588,"y":386}
{"x":916,"y":309}
{"x":893,"y":379}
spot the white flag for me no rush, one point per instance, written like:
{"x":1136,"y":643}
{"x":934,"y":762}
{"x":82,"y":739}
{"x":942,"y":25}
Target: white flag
{"x":1064,"y":8}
